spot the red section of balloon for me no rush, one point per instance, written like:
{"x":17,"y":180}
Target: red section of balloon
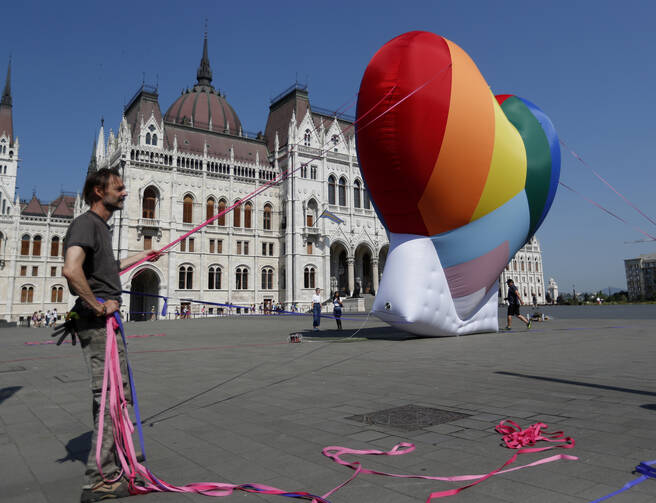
{"x":407,"y":138}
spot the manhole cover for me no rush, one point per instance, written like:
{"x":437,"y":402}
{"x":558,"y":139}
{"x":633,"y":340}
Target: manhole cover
{"x":408,"y":417}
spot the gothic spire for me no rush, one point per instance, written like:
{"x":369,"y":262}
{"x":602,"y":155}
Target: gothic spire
{"x":6,"y":94}
{"x":204,"y":73}
{"x":93,"y":164}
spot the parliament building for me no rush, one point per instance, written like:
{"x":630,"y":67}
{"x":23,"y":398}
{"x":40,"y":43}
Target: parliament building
{"x":193,"y":161}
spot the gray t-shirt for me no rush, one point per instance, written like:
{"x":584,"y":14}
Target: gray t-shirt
{"x":101,"y":269}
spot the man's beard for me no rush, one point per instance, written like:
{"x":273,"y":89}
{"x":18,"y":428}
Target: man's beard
{"x":112,"y":207}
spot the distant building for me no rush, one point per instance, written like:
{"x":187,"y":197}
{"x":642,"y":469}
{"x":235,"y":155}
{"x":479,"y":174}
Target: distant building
{"x":553,"y":290}
{"x":641,"y":276}
{"x":525,"y":269}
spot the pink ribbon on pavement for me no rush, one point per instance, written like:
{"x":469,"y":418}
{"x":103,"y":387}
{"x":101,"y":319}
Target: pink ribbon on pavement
{"x":513,"y":436}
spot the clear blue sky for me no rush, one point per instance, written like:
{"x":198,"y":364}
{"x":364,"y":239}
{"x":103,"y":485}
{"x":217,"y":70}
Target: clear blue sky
{"x":588,"y":64}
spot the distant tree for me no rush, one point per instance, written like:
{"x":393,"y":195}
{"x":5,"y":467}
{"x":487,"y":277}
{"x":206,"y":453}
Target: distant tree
{"x":620,"y":297}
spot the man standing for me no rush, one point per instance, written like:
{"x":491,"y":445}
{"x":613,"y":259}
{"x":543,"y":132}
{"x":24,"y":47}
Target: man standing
{"x":93,"y":273}
{"x":514,"y":301}
{"x":316,"y":310}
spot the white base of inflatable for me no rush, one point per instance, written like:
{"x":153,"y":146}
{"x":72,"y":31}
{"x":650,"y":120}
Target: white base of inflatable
{"x":414,"y":295}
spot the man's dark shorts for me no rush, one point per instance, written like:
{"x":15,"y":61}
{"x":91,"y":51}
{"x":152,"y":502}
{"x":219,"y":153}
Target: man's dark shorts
{"x":513,"y":309}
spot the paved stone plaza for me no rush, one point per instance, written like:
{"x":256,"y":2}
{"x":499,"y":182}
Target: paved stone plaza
{"x":230,"y":400}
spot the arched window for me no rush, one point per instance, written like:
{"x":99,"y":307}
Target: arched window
{"x":236,"y":216}
{"x":27,"y":295}
{"x":306,"y":138}
{"x":25,"y":244}
{"x":521,"y":265}
{"x":356,"y":194}
{"x":266,"y":219}
{"x":309,"y":277}
{"x":147,"y":138}
{"x":57,"y":294}
{"x":2,"y":242}
{"x":36,"y":246}
{"x":311,"y":213}
{"x":209,"y":208}
{"x":222,"y":207}
{"x":530,"y":266}
{"x":185,"y":277}
{"x":367,"y":200}
{"x":241,"y":278}
{"x":214,"y":278}
{"x":187,"y":208}
{"x":154,"y":139}
{"x":248,"y":215}
{"x":335,"y":140}
{"x":342,"y":191}
{"x":267,"y":278}
{"x":149,"y":203}
{"x":331,"y":189}
{"x":54,"y":246}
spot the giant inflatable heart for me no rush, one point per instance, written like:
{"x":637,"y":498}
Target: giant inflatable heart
{"x":460,"y":178}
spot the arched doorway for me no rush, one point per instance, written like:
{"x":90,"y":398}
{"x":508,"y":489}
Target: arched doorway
{"x":363,"y":269}
{"x":338,"y":269}
{"x":145,"y":281}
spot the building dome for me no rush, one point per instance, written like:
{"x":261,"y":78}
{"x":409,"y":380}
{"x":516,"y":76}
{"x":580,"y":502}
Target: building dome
{"x":204,"y":107}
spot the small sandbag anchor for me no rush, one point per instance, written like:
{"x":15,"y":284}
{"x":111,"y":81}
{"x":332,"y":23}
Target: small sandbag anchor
{"x":295,"y":337}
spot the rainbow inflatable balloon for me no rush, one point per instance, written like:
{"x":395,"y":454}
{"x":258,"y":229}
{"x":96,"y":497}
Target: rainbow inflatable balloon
{"x":460,"y":178}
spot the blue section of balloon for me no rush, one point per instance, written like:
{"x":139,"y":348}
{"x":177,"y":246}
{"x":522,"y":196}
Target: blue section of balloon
{"x":510,"y":222}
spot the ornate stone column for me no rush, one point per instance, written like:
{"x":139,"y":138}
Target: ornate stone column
{"x":350,"y":262}
{"x":374,"y":273}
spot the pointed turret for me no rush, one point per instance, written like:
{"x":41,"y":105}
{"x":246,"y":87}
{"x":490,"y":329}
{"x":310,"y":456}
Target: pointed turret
{"x":204,"y":73}
{"x":6,"y":118}
{"x":100,"y":144}
{"x":93,"y":164}
{"x":6,"y":94}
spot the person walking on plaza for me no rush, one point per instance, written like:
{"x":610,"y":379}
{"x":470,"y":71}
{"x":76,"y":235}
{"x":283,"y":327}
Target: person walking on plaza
{"x":337,"y":310}
{"x":316,"y":310}
{"x":514,"y":301}
{"x":92,"y":273}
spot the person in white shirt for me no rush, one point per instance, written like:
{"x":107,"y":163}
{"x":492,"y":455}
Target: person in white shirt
{"x":316,"y":309}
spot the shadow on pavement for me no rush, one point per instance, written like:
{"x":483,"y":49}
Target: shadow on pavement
{"x":581,"y":383}
{"x":8,"y":392}
{"x":373,"y":333}
{"x":77,"y":449}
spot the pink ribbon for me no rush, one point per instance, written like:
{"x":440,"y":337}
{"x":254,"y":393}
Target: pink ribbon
{"x":513,"y":436}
